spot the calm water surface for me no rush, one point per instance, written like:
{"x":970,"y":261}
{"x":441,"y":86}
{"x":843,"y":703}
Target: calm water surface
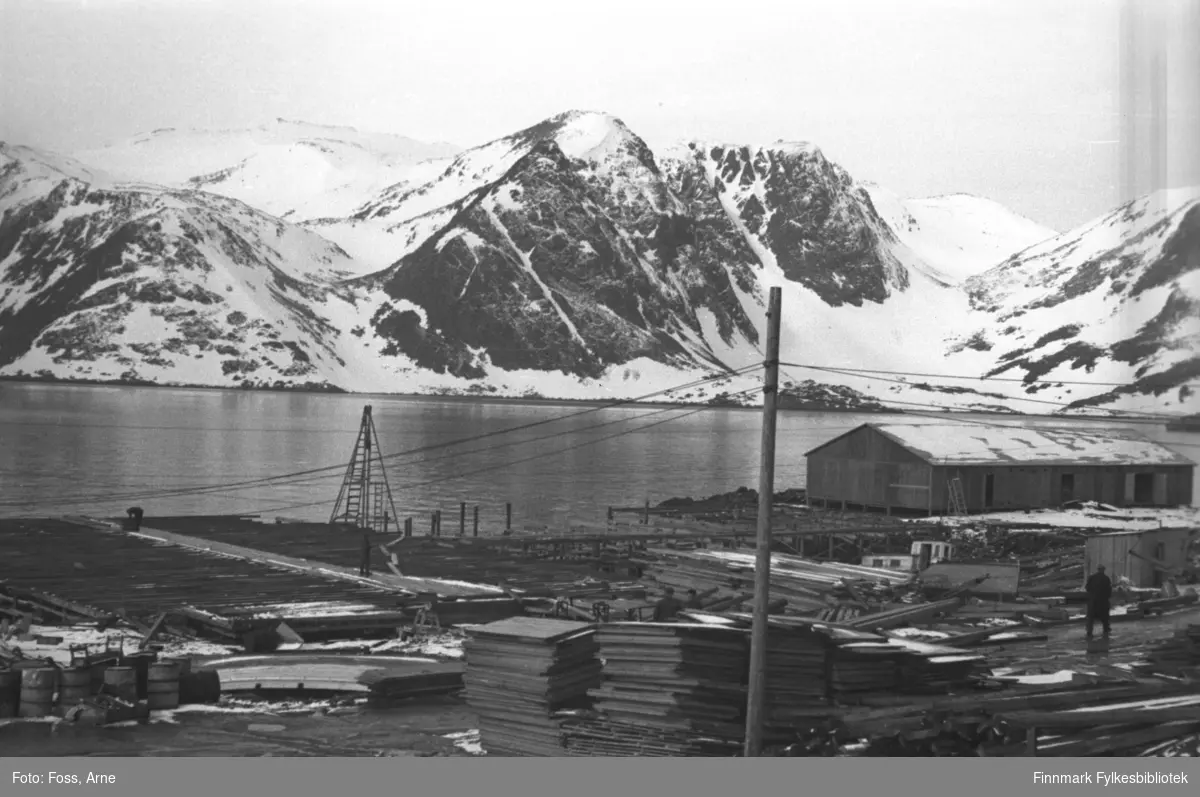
{"x":68,"y":449}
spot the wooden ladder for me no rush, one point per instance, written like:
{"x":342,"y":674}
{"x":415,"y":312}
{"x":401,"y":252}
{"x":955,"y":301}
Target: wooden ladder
{"x":958,"y":501}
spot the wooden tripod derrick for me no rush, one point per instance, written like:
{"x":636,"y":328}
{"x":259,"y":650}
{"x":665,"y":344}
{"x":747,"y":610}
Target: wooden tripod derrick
{"x":365,"y":499}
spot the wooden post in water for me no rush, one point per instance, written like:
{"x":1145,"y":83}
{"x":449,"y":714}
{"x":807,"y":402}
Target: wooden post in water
{"x":756,"y":698}
{"x":475,"y":530}
{"x":646,"y":514}
{"x":433,"y":524}
{"x":462,"y":518}
{"x":508,"y":516}
{"x":408,"y":526}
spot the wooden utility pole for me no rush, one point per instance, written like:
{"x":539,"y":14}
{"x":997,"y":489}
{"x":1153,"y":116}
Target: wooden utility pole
{"x":756,"y":699}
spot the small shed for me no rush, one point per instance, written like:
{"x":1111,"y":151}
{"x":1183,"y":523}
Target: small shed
{"x":911,"y":466}
{"x":1140,"y":556}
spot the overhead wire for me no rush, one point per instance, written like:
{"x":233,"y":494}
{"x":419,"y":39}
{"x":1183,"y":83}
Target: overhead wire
{"x":542,"y":455}
{"x":1142,"y":382}
{"x":338,"y":470}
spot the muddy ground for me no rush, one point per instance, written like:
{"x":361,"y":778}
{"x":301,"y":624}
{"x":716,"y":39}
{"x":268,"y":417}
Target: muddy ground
{"x":416,"y":728}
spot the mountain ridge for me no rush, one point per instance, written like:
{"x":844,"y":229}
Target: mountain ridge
{"x":569,"y":259}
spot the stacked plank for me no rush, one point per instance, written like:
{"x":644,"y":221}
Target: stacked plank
{"x":669,"y":689}
{"x":520,"y":673}
{"x":905,"y":614}
{"x":1111,"y":728}
{"x":995,"y":723}
{"x":805,"y":585}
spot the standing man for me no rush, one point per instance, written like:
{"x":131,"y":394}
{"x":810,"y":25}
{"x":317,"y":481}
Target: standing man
{"x":693,"y":600}
{"x":1099,"y":600}
{"x":364,"y":567}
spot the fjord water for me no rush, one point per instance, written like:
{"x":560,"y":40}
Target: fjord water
{"x":97,"y":450}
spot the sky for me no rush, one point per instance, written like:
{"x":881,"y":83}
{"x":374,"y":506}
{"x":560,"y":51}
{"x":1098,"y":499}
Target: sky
{"x":1046,"y":106}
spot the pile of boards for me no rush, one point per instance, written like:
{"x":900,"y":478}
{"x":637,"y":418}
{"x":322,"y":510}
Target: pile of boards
{"x":521,"y":672}
{"x":800,"y":584}
{"x":669,"y":689}
{"x":1076,"y":719}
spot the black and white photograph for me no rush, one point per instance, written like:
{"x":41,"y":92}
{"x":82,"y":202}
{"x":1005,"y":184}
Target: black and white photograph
{"x":813,"y":379}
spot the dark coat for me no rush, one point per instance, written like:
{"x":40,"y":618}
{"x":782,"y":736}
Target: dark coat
{"x":1099,"y":589}
{"x":667,"y":608}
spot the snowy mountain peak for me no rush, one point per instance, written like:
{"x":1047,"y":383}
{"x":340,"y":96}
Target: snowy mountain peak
{"x":591,"y":135}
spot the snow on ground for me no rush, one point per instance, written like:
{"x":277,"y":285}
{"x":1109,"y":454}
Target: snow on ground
{"x":1122,"y":520}
{"x":467,"y":741}
{"x":282,"y":167}
{"x":919,"y":634}
{"x":442,"y":646}
{"x":958,"y":235}
{"x":97,"y":640}
{"x":447,"y":645}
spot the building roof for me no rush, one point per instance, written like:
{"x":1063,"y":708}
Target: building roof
{"x":994,"y":444}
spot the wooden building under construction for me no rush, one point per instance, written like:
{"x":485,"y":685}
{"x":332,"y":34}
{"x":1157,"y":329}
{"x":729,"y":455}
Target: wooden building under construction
{"x":1147,"y":558}
{"x":923,"y":467}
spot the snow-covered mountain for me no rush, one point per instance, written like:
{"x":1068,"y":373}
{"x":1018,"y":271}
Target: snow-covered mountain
{"x":569,"y":260}
{"x":294,"y":170}
{"x":1117,"y":300}
{"x":956,"y":236}
{"x":107,"y":281}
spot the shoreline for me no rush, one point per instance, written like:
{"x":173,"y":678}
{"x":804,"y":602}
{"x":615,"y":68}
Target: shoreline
{"x":331,"y":390}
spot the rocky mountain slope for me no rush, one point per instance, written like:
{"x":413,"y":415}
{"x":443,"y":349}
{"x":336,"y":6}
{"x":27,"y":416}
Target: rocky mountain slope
{"x":1117,"y":299}
{"x":103,"y":280}
{"x":569,"y":260}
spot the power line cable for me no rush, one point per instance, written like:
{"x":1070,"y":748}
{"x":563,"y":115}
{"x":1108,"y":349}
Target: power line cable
{"x":435,"y":446}
{"x":542,"y":455}
{"x":839,"y":368}
{"x":337,"y":470}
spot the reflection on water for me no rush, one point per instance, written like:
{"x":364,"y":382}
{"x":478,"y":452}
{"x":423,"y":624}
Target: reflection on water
{"x":67,"y":449}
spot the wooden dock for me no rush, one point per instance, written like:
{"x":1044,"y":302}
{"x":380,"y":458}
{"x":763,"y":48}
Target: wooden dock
{"x":82,"y":569}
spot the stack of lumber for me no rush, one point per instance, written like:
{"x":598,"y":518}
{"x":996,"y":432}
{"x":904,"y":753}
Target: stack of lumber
{"x":520,"y":672}
{"x":1109,"y":728}
{"x":895,"y":616}
{"x":593,"y":735}
{"x":384,"y":690}
{"x":993,"y":723}
{"x":838,"y":614}
{"x":669,"y":689}
{"x":805,"y":585}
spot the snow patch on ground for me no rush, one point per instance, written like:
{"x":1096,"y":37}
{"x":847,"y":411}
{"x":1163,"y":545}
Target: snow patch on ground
{"x":467,"y":741}
{"x":1123,"y":520}
{"x":97,"y":641}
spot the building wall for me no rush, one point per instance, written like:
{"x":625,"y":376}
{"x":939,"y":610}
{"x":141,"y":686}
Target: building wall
{"x":866,"y":468}
{"x":1114,"y":552}
{"x":1027,"y":487}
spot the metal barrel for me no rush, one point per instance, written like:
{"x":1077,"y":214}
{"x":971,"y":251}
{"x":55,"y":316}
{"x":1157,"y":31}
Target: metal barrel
{"x":162,"y":686}
{"x":121,"y":682}
{"x":200,"y":687}
{"x":10,"y":692}
{"x":37,"y":692}
{"x":74,"y":686}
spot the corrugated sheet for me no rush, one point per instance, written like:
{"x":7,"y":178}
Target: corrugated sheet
{"x":976,"y":444}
